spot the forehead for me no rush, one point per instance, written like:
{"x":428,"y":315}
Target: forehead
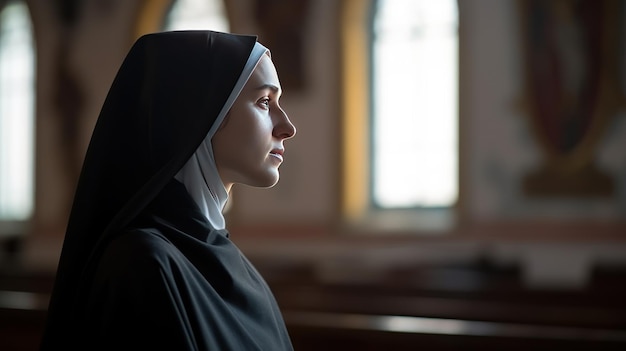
{"x":264,"y":73}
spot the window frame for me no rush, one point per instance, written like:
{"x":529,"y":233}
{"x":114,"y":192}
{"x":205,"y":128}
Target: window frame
{"x":17,"y":226}
{"x":357,"y":207}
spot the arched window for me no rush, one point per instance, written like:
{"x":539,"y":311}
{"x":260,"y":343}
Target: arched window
{"x":17,"y":62}
{"x":414,"y":96}
{"x":197,"y":14}
{"x":400,"y":114}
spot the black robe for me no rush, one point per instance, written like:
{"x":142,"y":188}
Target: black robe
{"x":173,"y":282}
{"x":140,"y":267}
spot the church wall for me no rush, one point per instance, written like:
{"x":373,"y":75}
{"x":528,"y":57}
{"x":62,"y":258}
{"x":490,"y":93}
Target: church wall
{"x":497,"y":142}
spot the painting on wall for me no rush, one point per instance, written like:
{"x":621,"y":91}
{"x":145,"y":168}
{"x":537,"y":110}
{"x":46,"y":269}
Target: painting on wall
{"x":571,"y":91}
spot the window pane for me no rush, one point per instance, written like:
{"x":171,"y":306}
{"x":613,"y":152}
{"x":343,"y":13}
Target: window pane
{"x":16,"y":113}
{"x":197,"y":14}
{"x":415,"y":103}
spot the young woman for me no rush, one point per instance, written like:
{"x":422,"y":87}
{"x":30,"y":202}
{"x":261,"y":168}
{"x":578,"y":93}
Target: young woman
{"x":147,"y":263}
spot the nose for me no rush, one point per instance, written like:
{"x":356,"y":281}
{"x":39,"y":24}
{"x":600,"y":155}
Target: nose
{"x":284,"y":129}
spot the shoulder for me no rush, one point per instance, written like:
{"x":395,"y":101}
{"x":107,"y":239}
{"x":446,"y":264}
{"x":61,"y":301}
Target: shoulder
{"x":137,"y":252}
{"x":145,"y":238}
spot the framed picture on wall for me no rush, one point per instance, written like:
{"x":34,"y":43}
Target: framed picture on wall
{"x":571,"y":67}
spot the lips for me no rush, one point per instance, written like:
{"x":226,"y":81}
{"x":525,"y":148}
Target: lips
{"x":278,"y":153}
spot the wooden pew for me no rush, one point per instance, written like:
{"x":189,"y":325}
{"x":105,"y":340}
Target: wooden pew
{"x":410,"y":308}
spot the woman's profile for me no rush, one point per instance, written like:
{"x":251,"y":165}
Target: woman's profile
{"x":147,"y":262}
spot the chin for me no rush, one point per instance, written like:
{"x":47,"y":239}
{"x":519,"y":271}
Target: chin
{"x":265,"y":181}
{"x":271,"y":183}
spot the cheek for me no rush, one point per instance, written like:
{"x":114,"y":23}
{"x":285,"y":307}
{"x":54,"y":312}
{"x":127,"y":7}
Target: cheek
{"x":247,"y":133}
{"x":257,"y":131}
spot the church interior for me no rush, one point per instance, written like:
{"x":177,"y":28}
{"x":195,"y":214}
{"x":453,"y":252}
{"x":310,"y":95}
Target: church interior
{"x":527,"y":252}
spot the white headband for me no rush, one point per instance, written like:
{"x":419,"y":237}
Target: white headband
{"x":199,"y":174}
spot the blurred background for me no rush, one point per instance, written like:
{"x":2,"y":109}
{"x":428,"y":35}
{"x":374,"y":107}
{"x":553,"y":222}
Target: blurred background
{"x":458,"y":178}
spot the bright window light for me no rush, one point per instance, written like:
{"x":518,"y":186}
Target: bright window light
{"x":197,"y":14}
{"x":415,"y":104}
{"x":16,"y":113}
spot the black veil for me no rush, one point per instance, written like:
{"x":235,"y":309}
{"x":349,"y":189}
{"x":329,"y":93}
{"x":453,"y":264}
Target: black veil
{"x":166,"y":96}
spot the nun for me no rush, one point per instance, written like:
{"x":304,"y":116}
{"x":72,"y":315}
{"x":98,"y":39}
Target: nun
{"x":147,"y":262}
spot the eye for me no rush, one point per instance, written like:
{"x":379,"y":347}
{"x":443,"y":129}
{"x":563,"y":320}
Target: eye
{"x":265,"y":102}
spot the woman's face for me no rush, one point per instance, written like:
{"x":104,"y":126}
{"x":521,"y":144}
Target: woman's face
{"x":248,"y":146}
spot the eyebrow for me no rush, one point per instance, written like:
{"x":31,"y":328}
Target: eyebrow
{"x":271,"y":87}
